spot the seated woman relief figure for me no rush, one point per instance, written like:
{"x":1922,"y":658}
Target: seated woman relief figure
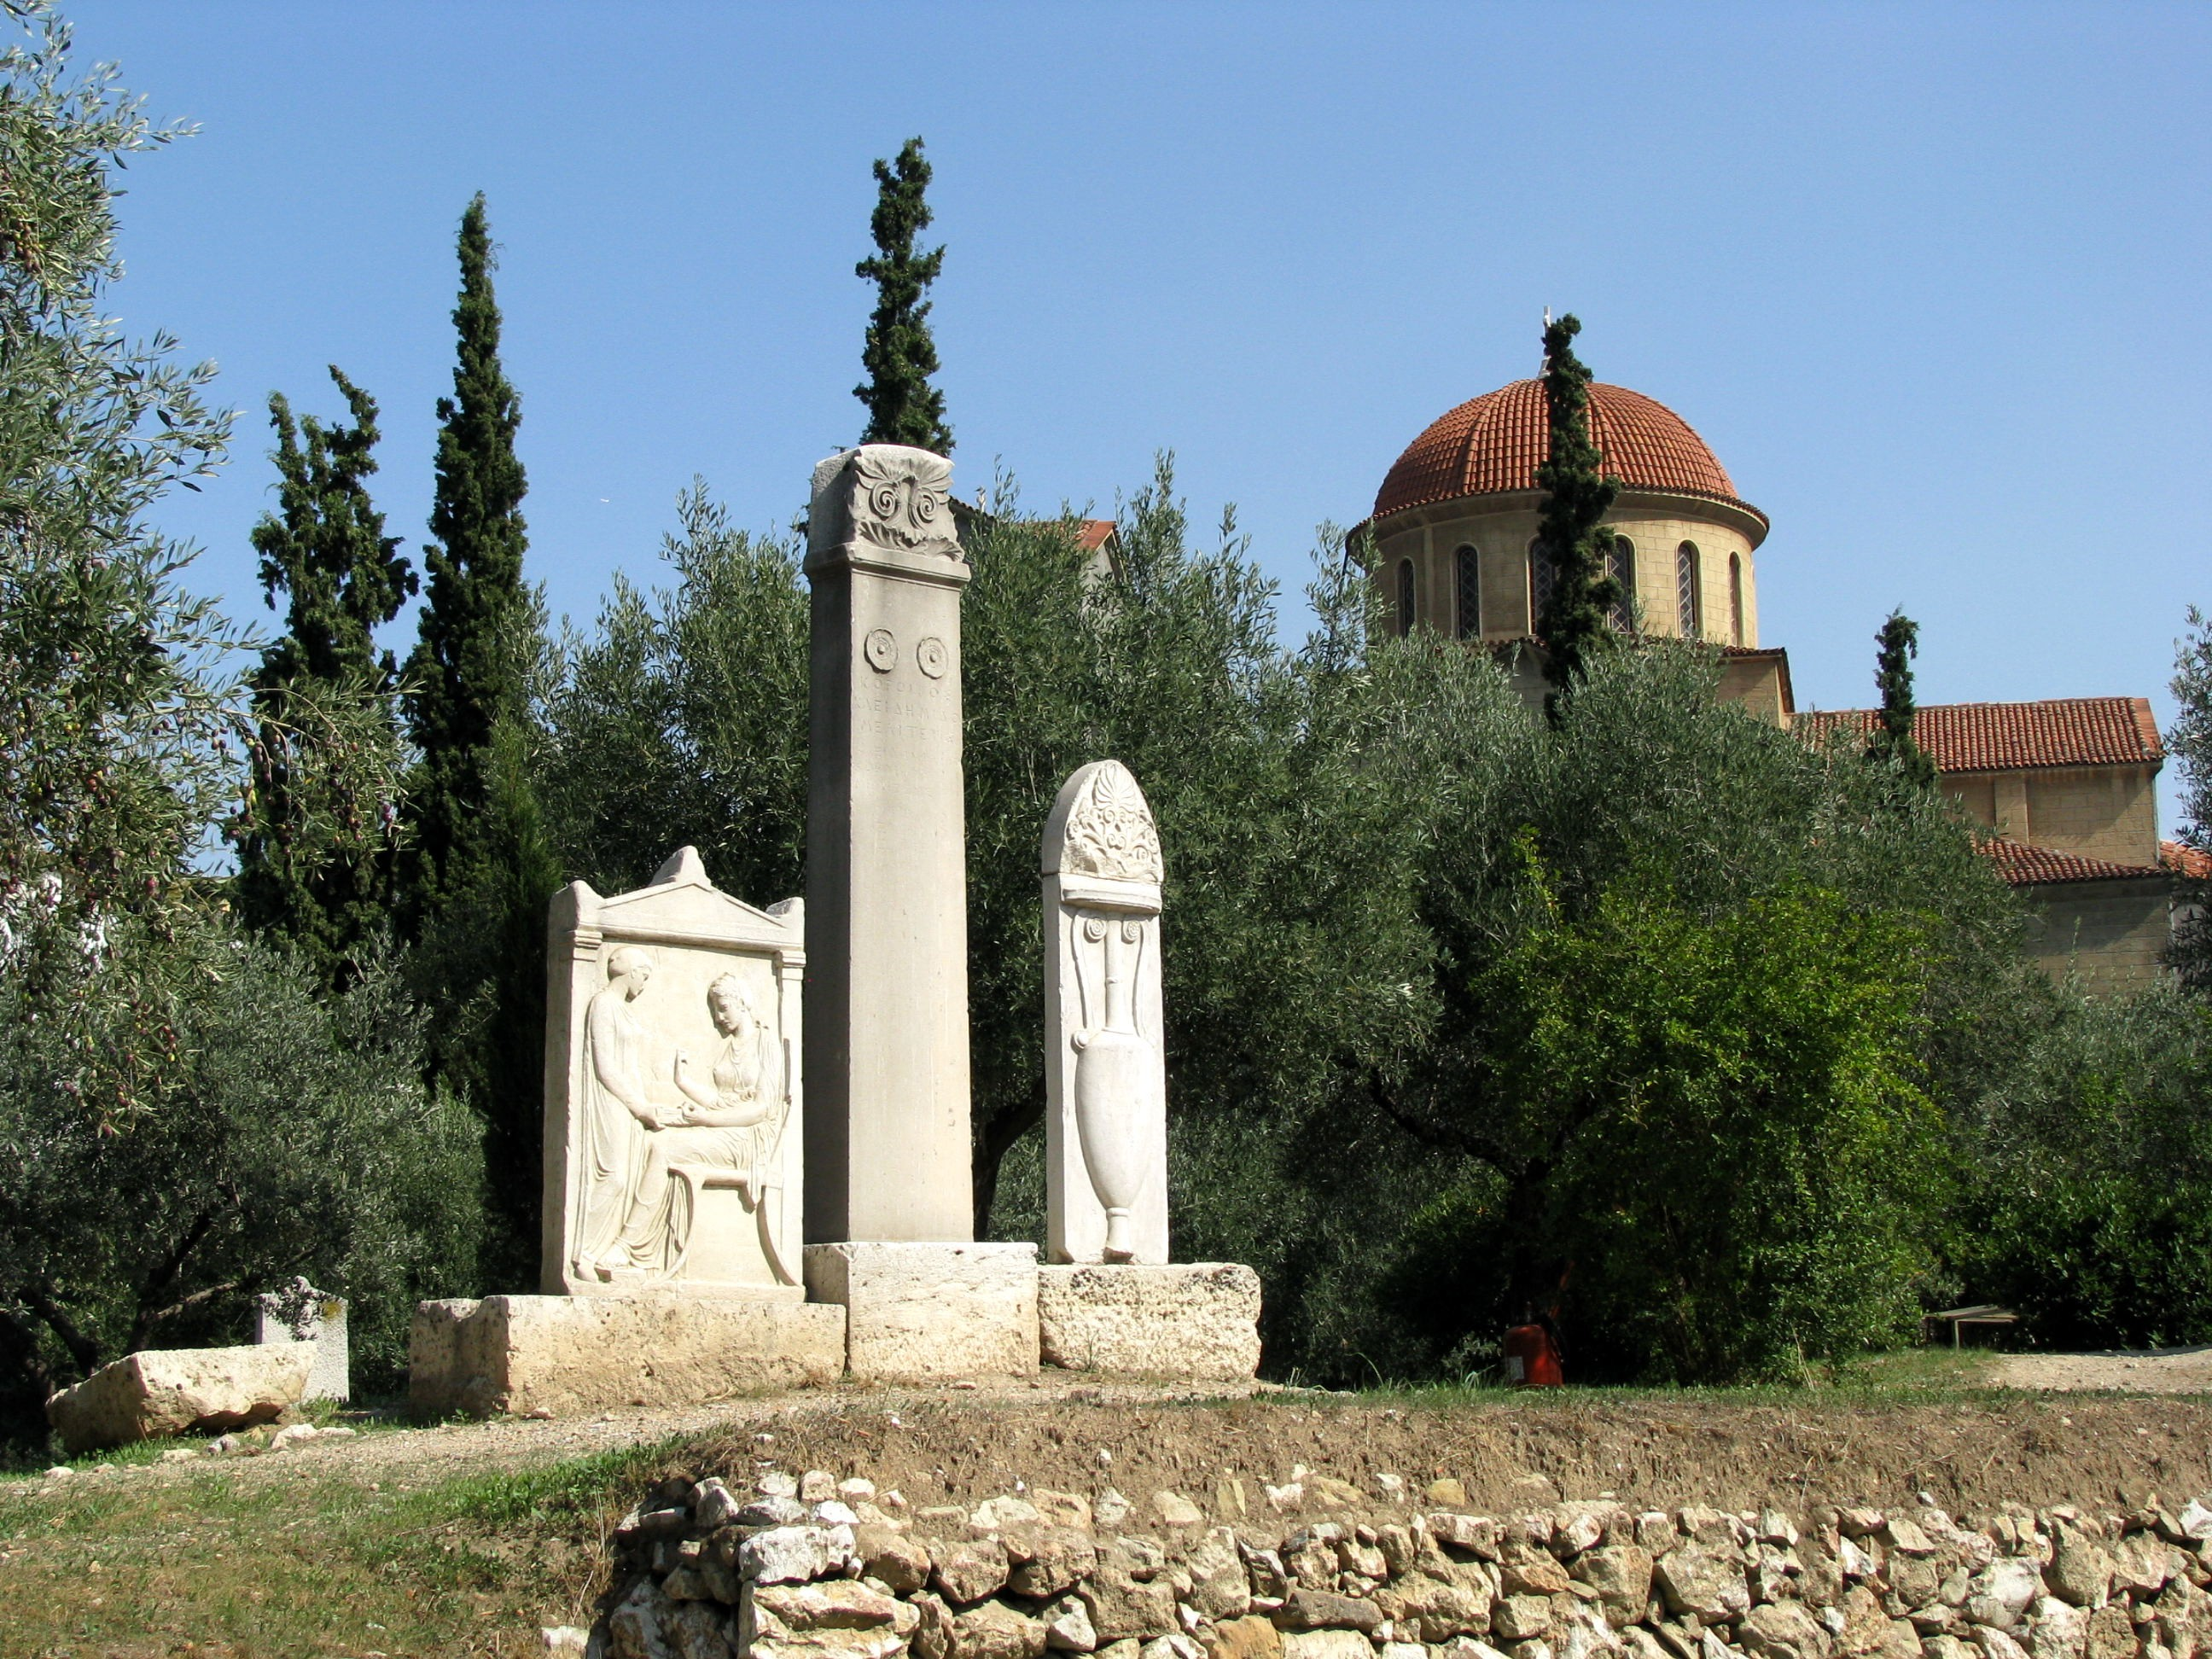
{"x":728,"y":1133}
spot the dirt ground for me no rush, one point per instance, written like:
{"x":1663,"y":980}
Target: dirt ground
{"x":2174,"y":1370}
{"x":1659,"y":1451}
{"x":2026,"y":1440}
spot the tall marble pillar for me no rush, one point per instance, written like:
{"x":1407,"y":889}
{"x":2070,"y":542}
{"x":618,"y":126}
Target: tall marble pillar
{"x":886,"y":1007}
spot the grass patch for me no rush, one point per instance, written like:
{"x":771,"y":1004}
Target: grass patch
{"x":221,"y":1560}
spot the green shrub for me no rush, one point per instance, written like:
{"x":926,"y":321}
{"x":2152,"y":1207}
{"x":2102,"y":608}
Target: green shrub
{"x":2090,"y":1207}
{"x":284,"y":1136}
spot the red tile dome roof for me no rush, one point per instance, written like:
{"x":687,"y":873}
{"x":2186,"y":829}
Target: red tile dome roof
{"x":1495,"y":442}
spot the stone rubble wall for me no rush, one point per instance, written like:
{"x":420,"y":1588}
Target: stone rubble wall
{"x":809,"y":1568}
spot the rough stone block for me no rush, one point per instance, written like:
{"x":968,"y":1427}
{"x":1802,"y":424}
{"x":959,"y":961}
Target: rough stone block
{"x":158,"y":1391}
{"x":1198,"y":1319}
{"x":915,"y":1312}
{"x":559,"y":1354}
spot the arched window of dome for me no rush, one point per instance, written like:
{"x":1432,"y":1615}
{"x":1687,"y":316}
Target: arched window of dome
{"x":1467,"y":593}
{"x":1735,"y":598}
{"x":1405,"y":597}
{"x":1689,"y":592}
{"x":1620,"y":565}
{"x":1543,"y":576}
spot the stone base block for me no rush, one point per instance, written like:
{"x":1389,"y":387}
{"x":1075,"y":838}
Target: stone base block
{"x":919,"y":1312}
{"x":158,"y":1391}
{"x":1199,"y":1319}
{"x":563,"y":1354}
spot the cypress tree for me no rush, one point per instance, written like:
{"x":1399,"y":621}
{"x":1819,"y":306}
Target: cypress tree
{"x":1577,"y":496}
{"x":468,"y":672}
{"x":481,"y":872}
{"x":900,"y":357}
{"x":1896,"y":646}
{"x":316,"y":856}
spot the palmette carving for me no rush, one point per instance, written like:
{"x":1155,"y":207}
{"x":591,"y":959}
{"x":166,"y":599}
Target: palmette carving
{"x":1111,"y":833}
{"x":903,"y":500}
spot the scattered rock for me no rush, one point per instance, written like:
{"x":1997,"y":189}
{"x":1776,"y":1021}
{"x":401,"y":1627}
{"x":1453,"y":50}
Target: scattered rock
{"x":1327,"y":1644}
{"x":1784,"y":1630}
{"x":1172,"y":1509}
{"x":992,"y":1630}
{"x":1698,"y":1581}
{"x":1067,"y":1626}
{"x":1121,"y":1605}
{"x":1249,"y":1638}
{"x":967,"y":1569}
{"x":2079,"y":1571}
{"x":898,"y":1560}
{"x":833,"y":1604}
{"x":1054,"y":1559}
{"x":789,"y":1555}
{"x":997,"y":1512}
{"x":1322,"y":1610}
{"x":1621,"y":1575}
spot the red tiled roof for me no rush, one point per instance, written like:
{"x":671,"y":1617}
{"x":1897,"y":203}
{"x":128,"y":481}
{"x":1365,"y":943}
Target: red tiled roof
{"x":1496,"y":441}
{"x":2022,"y":865}
{"x":1091,"y":534}
{"x":2002,"y":736}
{"x":2191,"y":861}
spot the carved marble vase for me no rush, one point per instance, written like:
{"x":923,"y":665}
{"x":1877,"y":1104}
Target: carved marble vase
{"x":1111,"y":1093}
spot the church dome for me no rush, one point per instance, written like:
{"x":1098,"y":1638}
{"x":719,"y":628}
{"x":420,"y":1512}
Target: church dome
{"x":1494,"y":443}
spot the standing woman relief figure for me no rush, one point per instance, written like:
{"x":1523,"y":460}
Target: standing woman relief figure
{"x":618,"y":1113}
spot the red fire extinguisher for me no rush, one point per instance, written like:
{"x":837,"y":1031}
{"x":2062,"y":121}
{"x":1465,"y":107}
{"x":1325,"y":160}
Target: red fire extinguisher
{"x":1531,"y":1348}
{"x":1532,"y":1357}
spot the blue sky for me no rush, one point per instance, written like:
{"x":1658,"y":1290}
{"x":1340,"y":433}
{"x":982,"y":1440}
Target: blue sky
{"x":1930,"y":279}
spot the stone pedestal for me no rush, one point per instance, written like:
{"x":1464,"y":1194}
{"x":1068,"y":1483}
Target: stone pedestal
{"x":923,"y":1312}
{"x":886,"y":1021}
{"x":1198,"y":1319}
{"x":559,"y":1354}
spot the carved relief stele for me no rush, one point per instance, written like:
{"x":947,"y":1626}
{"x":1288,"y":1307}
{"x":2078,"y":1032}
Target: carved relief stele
{"x":1105,"y":1080}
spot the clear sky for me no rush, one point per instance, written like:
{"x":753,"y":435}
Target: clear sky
{"x":1930,"y":279}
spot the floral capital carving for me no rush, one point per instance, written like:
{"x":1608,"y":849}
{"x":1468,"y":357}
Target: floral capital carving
{"x":1110,"y":832}
{"x":887,"y":500}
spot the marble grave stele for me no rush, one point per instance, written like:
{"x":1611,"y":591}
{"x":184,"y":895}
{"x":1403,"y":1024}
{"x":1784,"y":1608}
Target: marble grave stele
{"x":1106,"y":1155}
{"x":673,"y":1102}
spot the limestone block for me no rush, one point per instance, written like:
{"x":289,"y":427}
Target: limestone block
{"x":1106,"y":1145}
{"x":913,"y":1312}
{"x":158,"y":1391}
{"x":672,"y":1090}
{"x":304,"y":1314}
{"x":558,"y":1354}
{"x":1198,"y":1319}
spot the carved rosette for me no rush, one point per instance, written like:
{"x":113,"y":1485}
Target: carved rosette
{"x":1110,"y":832}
